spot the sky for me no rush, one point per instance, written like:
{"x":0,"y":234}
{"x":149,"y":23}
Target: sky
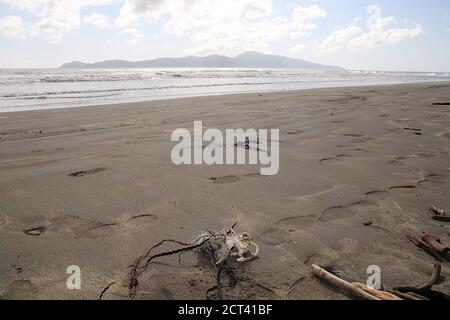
{"x":401,"y":35}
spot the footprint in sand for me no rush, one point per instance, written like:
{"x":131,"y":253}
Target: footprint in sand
{"x":433,"y":179}
{"x":295,"y":132}
{"x":353,"y":135}
{"x":400,"y":161}
{"x":361,"y":150}
{"x":79,"y":227}
{"x":90,"y":229}
{"x":377,"y":195}
{"x":293,"y":224}
{"x":83,"y":173}
{"x":403,"y":188}
{"x":336,"y":213}
{"x":339,"y":121}
{"x":142,"y":219}
{"x":36,"y":231}
{"x":342,"y":212}
{"x":97,"y":230}
{"x":274,"y":236}
{"x":363,"y":205}
{"x":103,"y":230}
{"x":225,"y":180}
{"x":235,"y":179}
{"x":335,"y":158}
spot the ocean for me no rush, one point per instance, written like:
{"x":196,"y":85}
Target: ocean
{"x":33,"y":89}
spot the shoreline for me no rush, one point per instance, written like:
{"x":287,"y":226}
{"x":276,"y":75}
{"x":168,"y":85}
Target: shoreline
{"x":95,"y":187}
{"x":220,"y":95}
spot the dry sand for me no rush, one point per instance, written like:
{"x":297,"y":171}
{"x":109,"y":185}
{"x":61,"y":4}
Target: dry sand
{"x":345,"y":158}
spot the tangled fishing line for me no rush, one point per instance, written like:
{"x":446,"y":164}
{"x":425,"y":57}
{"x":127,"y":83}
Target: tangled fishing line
{"x":219,"y":248}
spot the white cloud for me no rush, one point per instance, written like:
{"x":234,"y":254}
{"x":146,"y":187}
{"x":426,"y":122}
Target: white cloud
{"x":355,"y":37}
{"x":98,"y":20}
{"x":57,"y":17}
{"x":133,"y":10}
{"x":210,"y":25}
{"x":301,"y":20}
{"x":337,"y":40}
{"x":34,"y":6}
{"x":11,"y":26}
{"x":134,"y":35}
{"x":378,"y":38}
{"x":214,"y":25}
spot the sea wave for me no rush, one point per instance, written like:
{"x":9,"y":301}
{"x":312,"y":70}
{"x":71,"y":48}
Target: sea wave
{"x":90,"y":91}
{"x":37,"y":89}
{"x":63,"y":76}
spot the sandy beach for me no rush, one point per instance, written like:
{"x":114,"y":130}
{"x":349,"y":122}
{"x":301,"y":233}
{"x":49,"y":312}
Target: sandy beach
{"x":95,"y":187}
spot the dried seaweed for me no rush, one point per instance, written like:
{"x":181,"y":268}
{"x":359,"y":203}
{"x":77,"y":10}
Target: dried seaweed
{"x":220,"y":249}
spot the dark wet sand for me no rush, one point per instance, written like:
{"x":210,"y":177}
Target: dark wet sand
{"x":95,"y":187}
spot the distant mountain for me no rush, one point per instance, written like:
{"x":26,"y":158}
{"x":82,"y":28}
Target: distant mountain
{"x":245,"y":60}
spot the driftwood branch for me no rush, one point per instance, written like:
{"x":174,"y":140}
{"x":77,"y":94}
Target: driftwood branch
{"x":424,"y":247}
{"x":383,"y":295}
{"x":437,"y":211}
{"x":341,"y":284}
{"x":434,"y":277}
{"x":424,"y":290}
{"x":408,"y":295}
{"x":441,"y":218}
{"x":427,"y":293}
{"x":360,"y":290}
{"x":100,"y":296}
{"x":434,"y":243}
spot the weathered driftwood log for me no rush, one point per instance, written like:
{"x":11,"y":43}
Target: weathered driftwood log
{"x":434,"y":243}
{"x":408,"y":295}
{"x":437,"y":211}
{"x":424,"y":247}
{"x":383,"y":295}
{"x":428,"y":293}
{"x":417,"y":296}
{"x":441,"y":218}
{"x":425,"y":290}
{"x":434,"y":277}
{"x":341,"y":284}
